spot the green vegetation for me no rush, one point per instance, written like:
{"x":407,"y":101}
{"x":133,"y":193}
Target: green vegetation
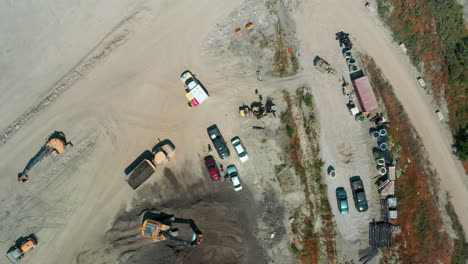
{"x":461,"y":245}
{"x":294,"y":249}
{"x":280,"y":168}
{"x":291,"y":131}
{"x":436,"y":37}
{"x":318,"y":242}
{"x":461,"y":143}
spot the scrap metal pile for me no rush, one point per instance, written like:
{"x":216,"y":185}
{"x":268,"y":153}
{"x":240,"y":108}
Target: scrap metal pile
{"x":258,"y":109}
{"x":344,"y":40}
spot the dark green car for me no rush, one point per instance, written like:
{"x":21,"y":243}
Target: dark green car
{"x":218,"y":142}
{"x":342,"y":200}
{"x":359,"y":194}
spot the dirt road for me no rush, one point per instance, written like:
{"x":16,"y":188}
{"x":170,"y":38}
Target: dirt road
{"x":317,"y":32}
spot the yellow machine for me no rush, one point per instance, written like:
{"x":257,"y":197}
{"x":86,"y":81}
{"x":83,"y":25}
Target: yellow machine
{"x":163,"y":230}
{"x":323,"y":66}
{"x":54,"y":146}
{"x":244,"y":111}
{"x":161,"y":154}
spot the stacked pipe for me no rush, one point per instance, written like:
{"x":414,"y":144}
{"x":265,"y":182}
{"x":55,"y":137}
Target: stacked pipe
{"x":380,"y":234}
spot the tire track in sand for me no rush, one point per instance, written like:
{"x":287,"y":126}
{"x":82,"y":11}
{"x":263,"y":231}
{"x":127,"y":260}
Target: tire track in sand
{"x":115,"y":38}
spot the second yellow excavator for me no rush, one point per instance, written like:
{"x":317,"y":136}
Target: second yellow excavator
{"x":162,"y":229}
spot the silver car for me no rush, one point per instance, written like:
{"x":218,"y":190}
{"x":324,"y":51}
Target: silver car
{"x":234,"y":176}
{"x":240,"y":149}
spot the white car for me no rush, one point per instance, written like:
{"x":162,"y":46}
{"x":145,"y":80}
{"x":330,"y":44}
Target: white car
{"x":240,"y":149}
{"x":234,"y":176}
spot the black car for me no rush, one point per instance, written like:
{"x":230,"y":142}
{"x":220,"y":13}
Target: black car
{"x":359,"y":195}
{"x":218,"y":142}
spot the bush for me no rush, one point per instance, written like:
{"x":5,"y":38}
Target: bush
{"x":461,"y":143}
{"x":290,"y":130}
{"x":308,"y":100}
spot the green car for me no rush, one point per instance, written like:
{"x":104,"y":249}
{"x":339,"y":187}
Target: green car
{"x":359,"y":194}
{"x":342,"y":200}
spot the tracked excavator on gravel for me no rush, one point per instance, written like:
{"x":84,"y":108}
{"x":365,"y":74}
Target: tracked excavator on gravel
{"x":162,"y":229}
{"x":54,"y":146}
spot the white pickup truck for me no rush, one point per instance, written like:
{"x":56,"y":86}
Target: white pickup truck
{"x":196,"y":93}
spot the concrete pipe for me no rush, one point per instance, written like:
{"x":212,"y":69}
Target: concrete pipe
{"x":382,"y":139}
{"x":353,"y":68}
{"x":348,"y":54}
{"x":350,"y":61}
{"x":381,"y":162}
{"x":375,"y":134}
{"x":383,"y":132}
{"x":383,"y":147}
{"x":383,"y":170}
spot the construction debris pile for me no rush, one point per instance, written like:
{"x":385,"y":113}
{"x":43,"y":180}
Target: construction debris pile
{"x":380,"y":233}
{"x":258,"y":109}
{"x":343,"y":38}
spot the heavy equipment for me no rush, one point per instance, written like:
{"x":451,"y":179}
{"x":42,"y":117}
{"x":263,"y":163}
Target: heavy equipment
{"x":161,"y":154}
{"x":54,"y":146}
{"x":259,"y":110}
{"x":22,"y":246}
{"x":323,"y":66}
{"x":244,"y":110}
{"x":162,"y":229}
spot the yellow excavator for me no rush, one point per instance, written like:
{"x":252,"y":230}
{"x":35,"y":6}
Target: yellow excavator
{"x":54,"y":146}
{"x":162,"y":229}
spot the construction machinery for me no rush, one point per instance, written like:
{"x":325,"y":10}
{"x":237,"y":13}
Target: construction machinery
{"x":259,"y":110}
{"x":244,"y":111}
{"x":22,"y":246}
{"x":54,"y":146}
{"x":146,"y":165}
{"x":160,"y":227}
{"x":323,"y":66}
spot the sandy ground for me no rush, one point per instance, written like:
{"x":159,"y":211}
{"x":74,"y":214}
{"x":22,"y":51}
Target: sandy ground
{"x":112,"y":74}
{"x":123,"y":95}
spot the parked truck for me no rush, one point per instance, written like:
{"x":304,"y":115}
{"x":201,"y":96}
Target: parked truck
{"x":195,"y":92}
{"x":162,"y":153}
{"x":18,"y":250}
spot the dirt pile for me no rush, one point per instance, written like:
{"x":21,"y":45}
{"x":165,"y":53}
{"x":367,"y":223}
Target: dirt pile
{"x":226,"y":219}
